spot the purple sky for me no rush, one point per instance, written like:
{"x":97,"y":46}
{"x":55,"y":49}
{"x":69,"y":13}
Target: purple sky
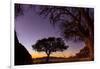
{"x":31,"y":27}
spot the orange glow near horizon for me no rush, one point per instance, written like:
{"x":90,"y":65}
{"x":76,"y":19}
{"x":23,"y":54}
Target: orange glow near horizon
{"x":55,"y":54}
{"x":38,"y":55}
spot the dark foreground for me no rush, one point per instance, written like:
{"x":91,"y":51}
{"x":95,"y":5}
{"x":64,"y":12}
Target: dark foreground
{"x":58,"y":60}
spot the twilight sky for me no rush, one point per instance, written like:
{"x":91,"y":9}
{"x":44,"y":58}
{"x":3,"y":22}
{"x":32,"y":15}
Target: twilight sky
{"x":31,"y":27}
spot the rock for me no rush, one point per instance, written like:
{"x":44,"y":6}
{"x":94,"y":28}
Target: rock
{"x":22,"y":56}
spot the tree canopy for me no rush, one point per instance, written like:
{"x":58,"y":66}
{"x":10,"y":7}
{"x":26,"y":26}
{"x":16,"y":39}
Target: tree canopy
{"x":74,"y":21}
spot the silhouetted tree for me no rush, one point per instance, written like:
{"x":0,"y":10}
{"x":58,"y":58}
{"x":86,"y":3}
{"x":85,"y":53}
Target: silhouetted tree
{"x":76,"y":23}
{"x":50,"y":45}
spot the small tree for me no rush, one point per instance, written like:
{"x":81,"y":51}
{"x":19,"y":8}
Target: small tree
{"x":50,"y":45}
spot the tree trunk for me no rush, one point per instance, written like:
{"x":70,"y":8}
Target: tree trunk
{"x":90,"y":43}
{"x":48,"y":55}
